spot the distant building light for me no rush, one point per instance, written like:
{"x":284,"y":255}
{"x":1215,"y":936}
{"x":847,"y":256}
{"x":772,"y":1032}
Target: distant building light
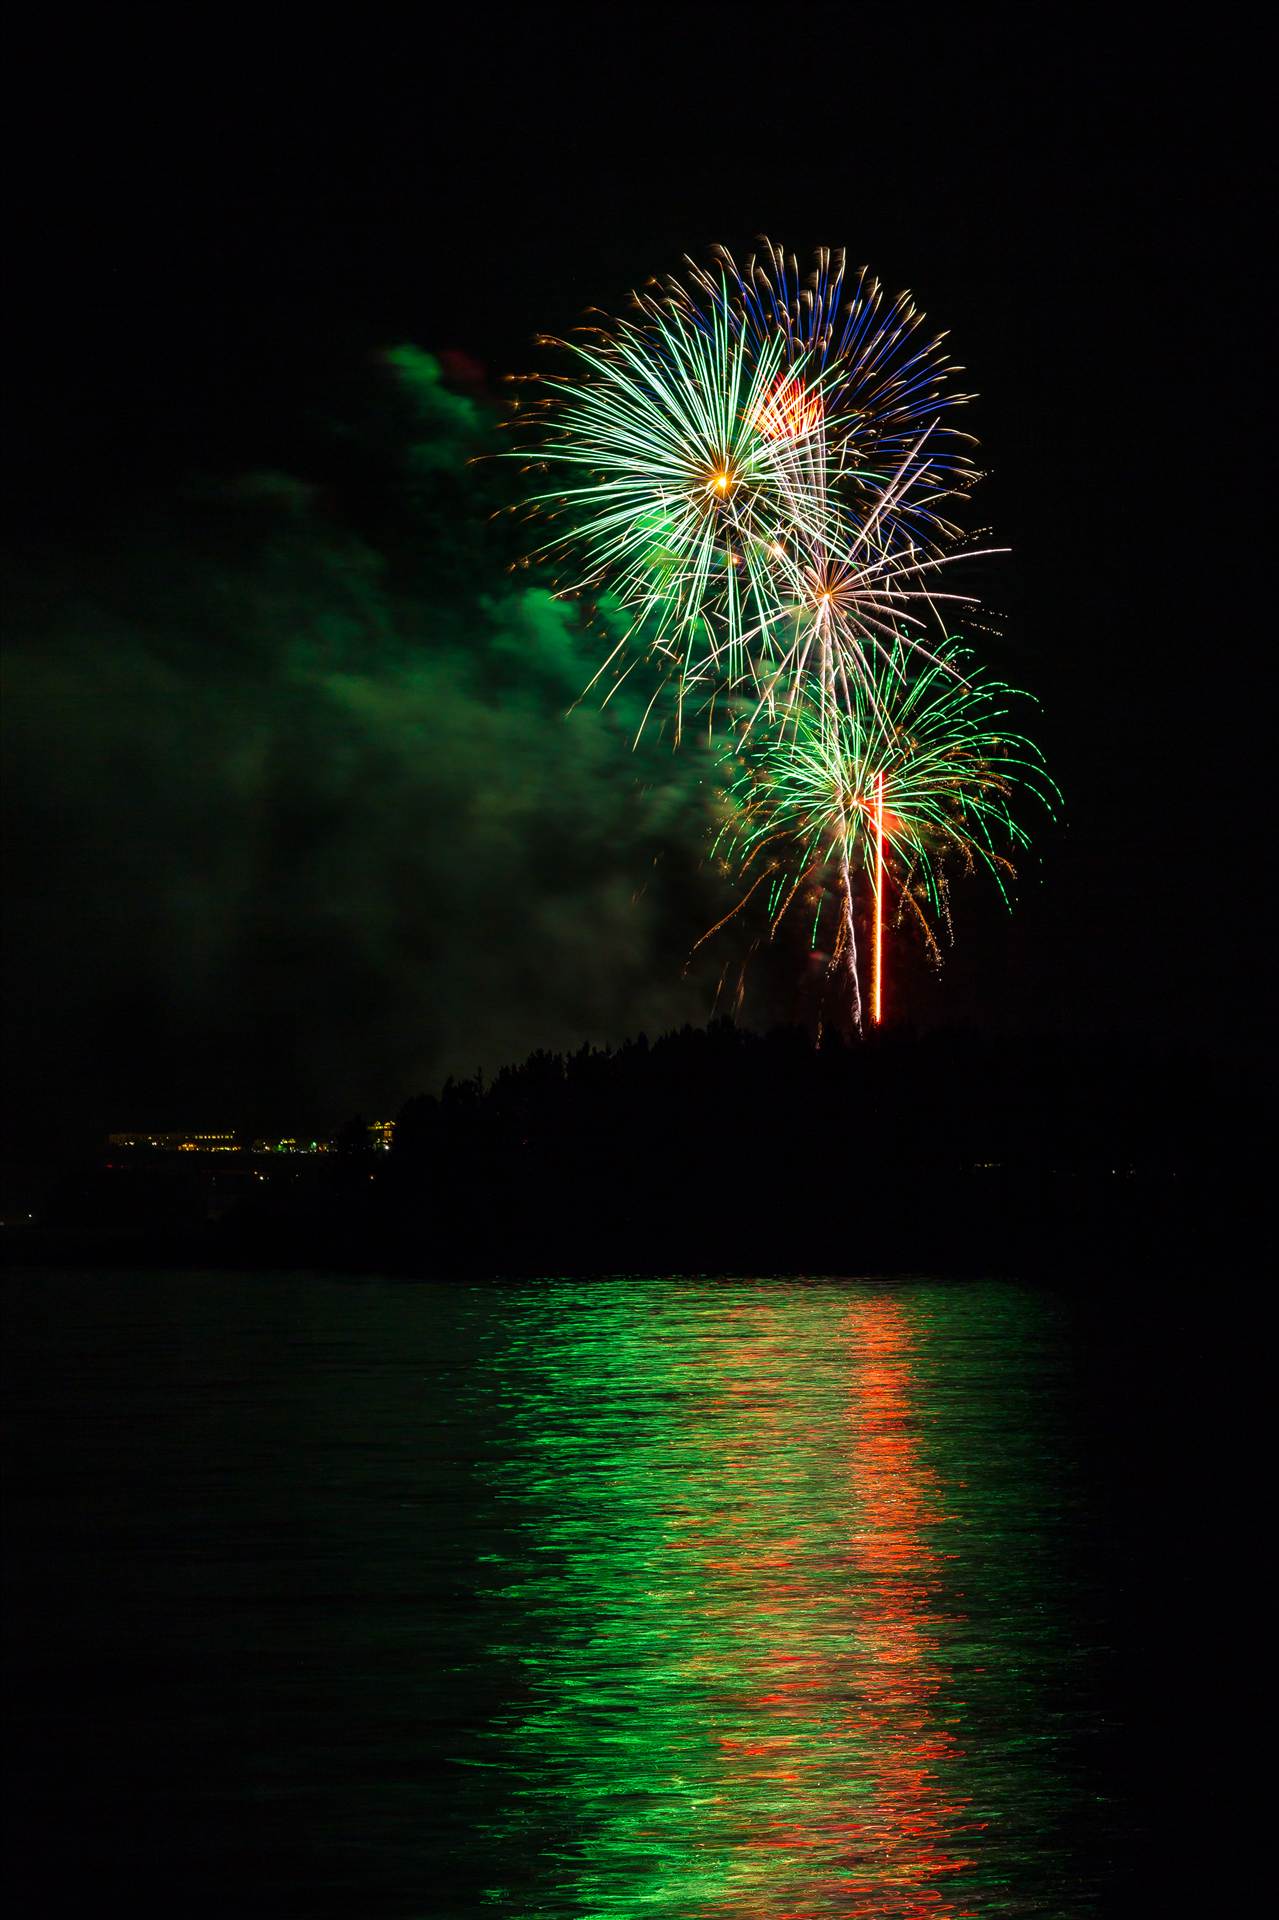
{"x":177,"y":1142}
{"x":287,"y":1143}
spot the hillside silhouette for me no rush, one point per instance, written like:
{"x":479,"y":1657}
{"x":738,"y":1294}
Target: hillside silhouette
{"x":719,"y":1149}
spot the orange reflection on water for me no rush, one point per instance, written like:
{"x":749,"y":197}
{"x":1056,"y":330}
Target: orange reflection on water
{"x":830,"y":1796}
{"x":909,"y":1829}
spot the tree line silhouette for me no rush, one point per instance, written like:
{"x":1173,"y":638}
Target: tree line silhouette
{"x":718,"y":1148}
{"x":721,"y":1149}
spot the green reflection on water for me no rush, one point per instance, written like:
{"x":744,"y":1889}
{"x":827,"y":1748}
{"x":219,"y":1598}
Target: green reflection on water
{"x":788,"y":1613}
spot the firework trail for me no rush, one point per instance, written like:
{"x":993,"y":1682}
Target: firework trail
{"x":761,"y":473}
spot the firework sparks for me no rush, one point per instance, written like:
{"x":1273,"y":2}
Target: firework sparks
{"x":914,"y":776}
{"x":670,"y":488}
{"x":886,"y":383}
{"x":759,"y":472}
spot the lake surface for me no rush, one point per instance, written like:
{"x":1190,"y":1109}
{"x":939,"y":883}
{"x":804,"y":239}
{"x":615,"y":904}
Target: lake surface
{"x":668,"y":1598}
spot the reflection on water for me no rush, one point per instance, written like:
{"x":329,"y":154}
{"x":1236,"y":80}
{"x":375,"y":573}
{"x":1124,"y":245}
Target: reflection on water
{"x":790,"y":1603}
{"x":682,"y":1599}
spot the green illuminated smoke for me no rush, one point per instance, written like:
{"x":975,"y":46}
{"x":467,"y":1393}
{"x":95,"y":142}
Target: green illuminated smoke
{"x":291,"y":756}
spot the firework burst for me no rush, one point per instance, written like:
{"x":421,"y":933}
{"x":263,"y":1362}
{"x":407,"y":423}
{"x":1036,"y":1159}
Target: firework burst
{"x":760,"y":473}
{"x":912,"y":774}
{"x":886,"y":382}
{"x":672,"y":485}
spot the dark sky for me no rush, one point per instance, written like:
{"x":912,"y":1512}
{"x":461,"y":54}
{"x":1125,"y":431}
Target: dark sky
{"x":295,"y":821}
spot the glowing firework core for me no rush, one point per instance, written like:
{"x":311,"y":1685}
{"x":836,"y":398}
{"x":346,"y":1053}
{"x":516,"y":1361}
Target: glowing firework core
{"x":789,"y":411}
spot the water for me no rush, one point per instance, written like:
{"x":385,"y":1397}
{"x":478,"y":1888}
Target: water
{"x":681,"y":1599}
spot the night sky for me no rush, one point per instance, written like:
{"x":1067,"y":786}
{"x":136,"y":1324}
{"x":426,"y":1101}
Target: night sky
{"x":296,"y":823}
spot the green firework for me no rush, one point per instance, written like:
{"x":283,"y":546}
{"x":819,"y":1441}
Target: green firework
{"x":671,"y":482}
{"x":923,"y":750}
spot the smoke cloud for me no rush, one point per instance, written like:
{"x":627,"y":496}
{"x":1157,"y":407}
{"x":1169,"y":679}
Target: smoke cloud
{"x":303,"y":814}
